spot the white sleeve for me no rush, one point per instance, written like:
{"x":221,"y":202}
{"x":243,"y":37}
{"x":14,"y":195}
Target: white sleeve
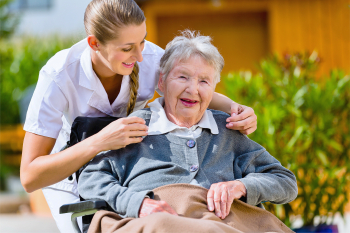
{"x":44,"y":115}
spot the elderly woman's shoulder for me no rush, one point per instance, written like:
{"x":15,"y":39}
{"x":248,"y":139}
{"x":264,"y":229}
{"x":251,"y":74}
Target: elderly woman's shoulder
{"x":219,"y":116}
{"x":142,"y":113}
{"x":218,"y":113}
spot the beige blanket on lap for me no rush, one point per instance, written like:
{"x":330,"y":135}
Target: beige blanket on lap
{"x":190,"y":202}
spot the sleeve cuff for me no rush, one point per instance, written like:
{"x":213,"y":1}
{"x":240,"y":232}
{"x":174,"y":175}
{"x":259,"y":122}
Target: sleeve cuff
{"x":46,"y":133}
{"x":252,"y":192}
{"x":136,"y":201}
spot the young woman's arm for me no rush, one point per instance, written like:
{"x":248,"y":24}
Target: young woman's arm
{"x":242,"y":117}
{"x":40,"y":169}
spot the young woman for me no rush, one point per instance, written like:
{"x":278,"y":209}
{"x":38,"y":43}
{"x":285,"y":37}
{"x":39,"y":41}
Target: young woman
{"x":112,"y":72}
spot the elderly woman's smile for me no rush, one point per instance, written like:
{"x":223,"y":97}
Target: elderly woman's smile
{"x":188,"y":90}
{"x":188,"y":102}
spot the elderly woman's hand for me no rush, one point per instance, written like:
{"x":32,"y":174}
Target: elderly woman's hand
{"x":150,"y":206}
{"x":242,"y":118}
{"x":221,"y":195}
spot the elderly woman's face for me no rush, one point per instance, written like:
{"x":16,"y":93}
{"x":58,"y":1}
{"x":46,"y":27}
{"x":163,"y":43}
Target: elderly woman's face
{"x":188,"y":90}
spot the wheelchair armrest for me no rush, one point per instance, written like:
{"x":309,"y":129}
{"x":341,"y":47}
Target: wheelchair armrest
{"x":83,"y":206}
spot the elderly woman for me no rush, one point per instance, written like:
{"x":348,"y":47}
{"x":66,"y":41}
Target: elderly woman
{"x":187,"y":143}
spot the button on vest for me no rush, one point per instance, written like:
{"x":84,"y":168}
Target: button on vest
{"x":194,"y":168}
{"x":191,"y":143}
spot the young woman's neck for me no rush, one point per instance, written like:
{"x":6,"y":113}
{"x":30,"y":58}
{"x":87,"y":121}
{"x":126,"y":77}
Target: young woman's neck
{"x":102,"y":71}
{"x":110,"y":81}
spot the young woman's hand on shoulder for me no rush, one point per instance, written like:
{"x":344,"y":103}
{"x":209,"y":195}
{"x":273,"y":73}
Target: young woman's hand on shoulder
{"x":120,"y":133}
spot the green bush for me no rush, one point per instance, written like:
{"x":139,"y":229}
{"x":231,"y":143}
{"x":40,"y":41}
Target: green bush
{"x":20,"y":63}
{"x":305,"y":125}
{"x":8,"y":20}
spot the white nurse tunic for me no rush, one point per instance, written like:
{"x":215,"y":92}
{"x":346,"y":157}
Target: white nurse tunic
{"x":68,"y":87}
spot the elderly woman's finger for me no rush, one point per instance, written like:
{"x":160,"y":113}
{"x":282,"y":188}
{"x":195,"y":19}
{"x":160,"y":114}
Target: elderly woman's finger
{"x":217,"y":202}
{"x":171,"y":211}
{"x":210,"y":199}
{"x":228,"y":206}
{"x":224,"y":200}
{"x":168,"y":208}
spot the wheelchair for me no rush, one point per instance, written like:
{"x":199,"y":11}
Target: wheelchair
{"x":82,"y":128}
{"x":85,"y":209}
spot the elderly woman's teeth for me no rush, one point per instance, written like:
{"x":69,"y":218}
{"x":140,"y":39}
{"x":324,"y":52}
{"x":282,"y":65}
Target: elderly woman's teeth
{"x":189,"y":101}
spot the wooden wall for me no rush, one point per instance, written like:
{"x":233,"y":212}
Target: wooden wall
{"x":247,"y":30}
{"x":238,"y":28}
{"x":230,"y":32}
{"x":321,"y":25}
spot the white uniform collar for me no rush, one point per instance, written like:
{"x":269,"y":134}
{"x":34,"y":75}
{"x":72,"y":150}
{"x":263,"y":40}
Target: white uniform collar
{"x":88,"y":78}
{"x":99,"y":98}
{"x":159,"y":123}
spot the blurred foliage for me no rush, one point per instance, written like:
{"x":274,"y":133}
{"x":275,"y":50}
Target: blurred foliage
{"x":8,"y":20}
{"x":20,"y":63}
{"x":305,"y":125}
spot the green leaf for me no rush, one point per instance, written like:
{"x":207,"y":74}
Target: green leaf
{"x":335,"y":145}
{"x":323,"y":157}
{"x":295,"y":137}
{"x":300,"y":93}
{"x":343,"y":81}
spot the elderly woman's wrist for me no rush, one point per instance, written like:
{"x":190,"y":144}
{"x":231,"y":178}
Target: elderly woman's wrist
{"x":243,"y":189}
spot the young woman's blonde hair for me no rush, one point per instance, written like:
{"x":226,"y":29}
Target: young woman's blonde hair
{"x":103,"y":18}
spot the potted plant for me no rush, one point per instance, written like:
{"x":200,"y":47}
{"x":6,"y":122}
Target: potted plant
{"x":305,"y":123}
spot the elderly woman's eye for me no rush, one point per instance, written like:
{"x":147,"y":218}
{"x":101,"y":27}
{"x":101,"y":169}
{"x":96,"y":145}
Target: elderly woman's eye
{"x":182,"y":77}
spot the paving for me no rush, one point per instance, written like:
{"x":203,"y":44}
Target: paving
{"x":27,"y":223}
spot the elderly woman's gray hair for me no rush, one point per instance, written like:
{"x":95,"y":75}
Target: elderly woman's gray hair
{"x":190,"y":44}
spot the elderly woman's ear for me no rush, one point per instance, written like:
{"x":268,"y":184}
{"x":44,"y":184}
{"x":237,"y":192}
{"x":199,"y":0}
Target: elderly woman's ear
{"x":161,"y":82}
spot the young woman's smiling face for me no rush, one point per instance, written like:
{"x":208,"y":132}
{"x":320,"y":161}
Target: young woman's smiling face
{"x":119,"y":56}
{"x":188,"y":90}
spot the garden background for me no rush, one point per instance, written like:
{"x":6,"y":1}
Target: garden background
{"x":287,"y":59}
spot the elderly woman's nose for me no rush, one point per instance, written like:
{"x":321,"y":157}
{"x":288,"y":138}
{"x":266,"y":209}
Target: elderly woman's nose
{"x":192,"y":87}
